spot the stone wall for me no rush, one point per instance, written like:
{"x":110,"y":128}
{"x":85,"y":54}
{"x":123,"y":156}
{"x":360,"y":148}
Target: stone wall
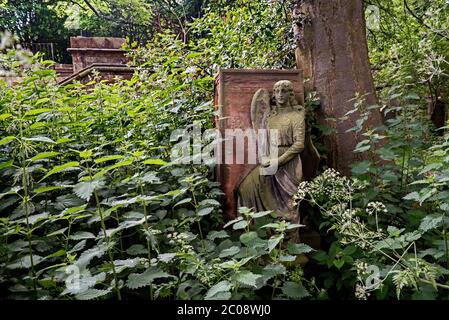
{"x":104,"y":55}
{"x":87,"y":51}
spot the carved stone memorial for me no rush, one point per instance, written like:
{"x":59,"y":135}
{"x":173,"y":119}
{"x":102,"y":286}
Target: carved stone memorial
{"x":268,"y":104}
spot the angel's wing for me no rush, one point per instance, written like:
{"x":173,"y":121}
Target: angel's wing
{"x":260,"y":109}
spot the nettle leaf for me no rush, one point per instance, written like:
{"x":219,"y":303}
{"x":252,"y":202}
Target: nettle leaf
{"x":78,"y":283}
{"x":121,"y":265}
{"x":84,"y":190}
{"x":73,"y":210}
{"x":17,"y":246}
{"x":44,"y":155}
{"x":363,"y":146}
{"x":299,"y":248}
{"x":233,"y":221}
{"x":120,"y":164}
{"x":295,"y":290}
{"x":361,"y":168}
{"x":287,"y":258}
{"x":57,"y":232}
{"x":431,"y":222}
{"x":137,"y":249}
{"x":34,"y":112}
{"x":5,"y":116}
{"x":56,"y":254}
{"x":80,"y":235}
{"x":274,"y":242}
{"x":108,"y":158}
{"x":91,"y":294}
{"x":39,"y":139}
{"x":232,"y":264}
{"x":210,"y":202}
{"x":38,"y":217}
{"x":388,"y":243}
{"x":47,"y":189}
{"x":79,"y":246}
{"x":20,"y":210}
{"x":151,"y":177}
{"x":433,"y":252}
{"x":412,"y":196}
{"x":63,"y":167}
{"x":431,"y":167}
{"x":183,"y":201}
{"x":6,"y":164}
{"x":229,"y":252}
{"x":25,"y":262}
{"x":13,"y":190}
{"x":386,"y":154}
{"x":411,"y":236}
{"x":426,"y":194}
{"x":273,"y":270}
{"x":220,"y":291}
{"x":187,"y":290}
{"x":139,"y":280}
{"x":261,"y":214}
{"x":339,"y":263}
{"x":205,"y":211}
{"x":122,"y":226}
{"x":157,"y":162}
{"x":6,"y":140}
{"x":95,"y":252}
{"x":240,"y":225}
{"x":421,"y":196}
{"x":67,"y":201}
{"x":166,"y":257}
{"x":249,"y":238}
{"x":217,"y":235}
{"x":247,"y":278}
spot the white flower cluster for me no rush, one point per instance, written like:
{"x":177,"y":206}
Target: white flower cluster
{"x":180,"y":239}
{"x":361,"y":292}
{"x":361,"y":268}
{"x":154,"y":232}
{"x":301,"y":194}
{"x":355,"y":232}
{"x":375,"y":208}
{"x":330,"y":186}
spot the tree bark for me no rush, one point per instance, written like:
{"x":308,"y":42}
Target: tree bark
{"x":332,"y":51}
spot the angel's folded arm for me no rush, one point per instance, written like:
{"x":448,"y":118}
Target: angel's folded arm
{"x":298,"y":126}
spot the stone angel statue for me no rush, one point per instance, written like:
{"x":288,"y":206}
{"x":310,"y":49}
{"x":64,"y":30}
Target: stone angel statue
{"x":286,"y":118}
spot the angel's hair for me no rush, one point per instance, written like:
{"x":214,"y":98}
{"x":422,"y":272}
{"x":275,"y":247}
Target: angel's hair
{"x":289,"y":86}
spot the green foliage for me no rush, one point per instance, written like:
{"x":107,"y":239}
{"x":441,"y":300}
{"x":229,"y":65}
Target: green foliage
{"x":93,"y":208}
{"x":388,"y":221}
{"x":408,"y":48}
{"x":36,"y":21}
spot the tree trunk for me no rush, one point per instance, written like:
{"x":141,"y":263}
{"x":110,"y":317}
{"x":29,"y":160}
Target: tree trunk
{"x":332,"y":51}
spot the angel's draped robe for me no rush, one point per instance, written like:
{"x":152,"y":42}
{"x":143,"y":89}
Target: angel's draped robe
{"x":275,"y":192}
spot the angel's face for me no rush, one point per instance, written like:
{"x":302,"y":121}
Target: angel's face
{"x":282,"y":95}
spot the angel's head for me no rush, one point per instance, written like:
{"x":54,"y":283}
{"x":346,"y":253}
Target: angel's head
{"x":283,"y":94}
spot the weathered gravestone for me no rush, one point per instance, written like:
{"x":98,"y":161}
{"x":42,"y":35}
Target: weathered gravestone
{"x":240,"y":96}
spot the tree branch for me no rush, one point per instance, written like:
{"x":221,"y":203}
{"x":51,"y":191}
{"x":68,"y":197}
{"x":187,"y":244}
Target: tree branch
{"x":91,"y":7}
{"x":420,"y":20}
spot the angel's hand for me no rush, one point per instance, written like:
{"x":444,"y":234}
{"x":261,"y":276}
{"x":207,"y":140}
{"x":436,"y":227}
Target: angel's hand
{"x":266,"y":163}
{"x":270,"y":163}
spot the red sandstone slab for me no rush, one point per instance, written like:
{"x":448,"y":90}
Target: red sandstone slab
{"x":97,"y":42}
{"x":234,"y":90}
{"x":87,"y":51}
